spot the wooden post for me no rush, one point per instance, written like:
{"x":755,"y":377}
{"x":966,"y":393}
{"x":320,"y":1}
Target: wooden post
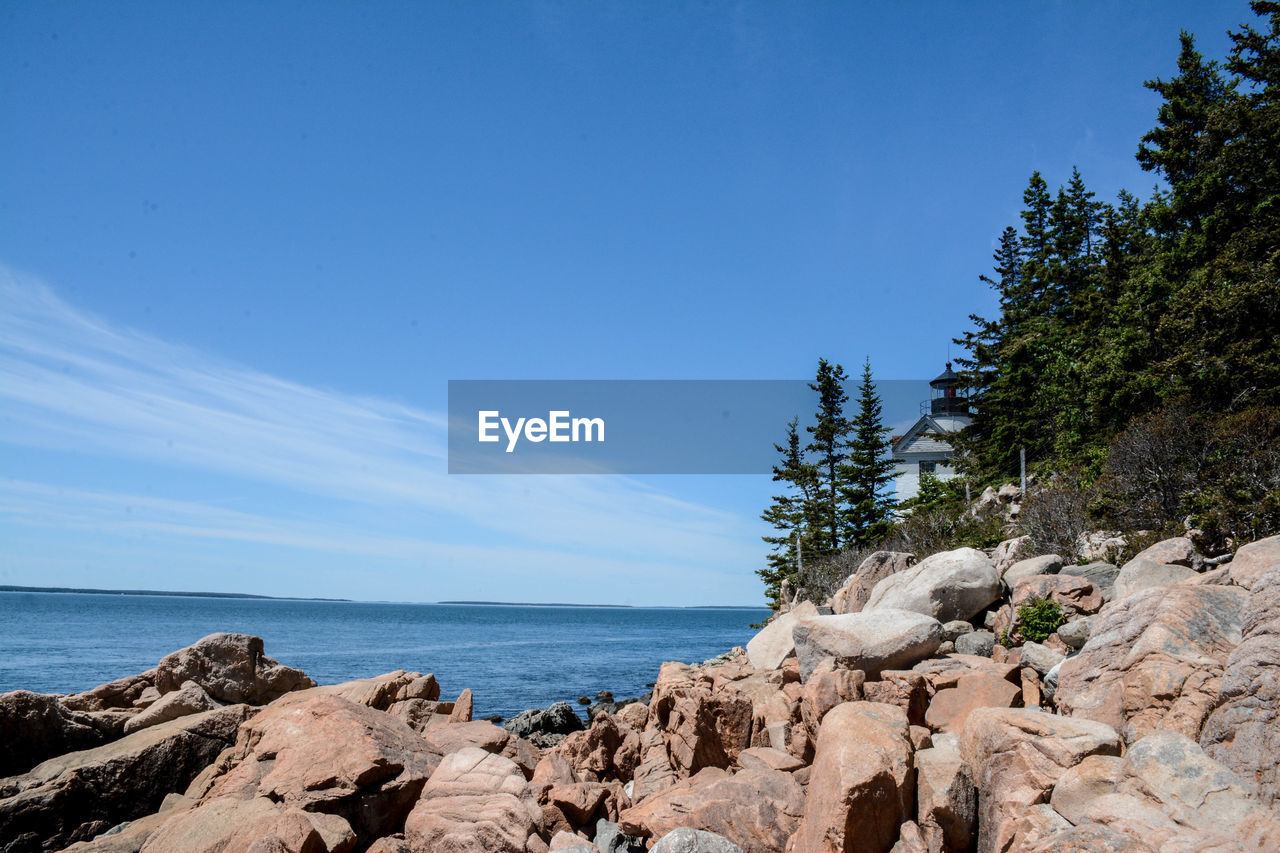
{"x":799,"y":556}
{"x":1022,"y":460}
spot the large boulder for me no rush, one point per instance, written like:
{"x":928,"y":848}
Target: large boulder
{"x":232,"y":825}
{"x":475,"y":802}
{"x":951,"y":706}
{"x":1168,"y":794}
{"x":129,"y":837}
{"x":191,"y":698}
{"x":706,"y":723}
{"x":758,"y":810}
{"x":1011,"y":551}
{"x":1177,"y":551}
{"x":653,"y":772}
{"x":1016,"y":756}
{"x":946,"y":800}
{"x":686,"y":840}
{"x":611,"y":749}
{"x":1101,"y":575}
{"x":828,"y":686}
{"x":1197,"y":791}
{"x":38,"y":726}
{"x":1254,"y":560}
{"x":1088,"y":838}
{"x":1079,"y":786}
{"x":326,"y":754}
{"x":1074,"y":594}
{"x":768,"y":758}
{"x":132,"y":691}
{"x":1140,"y":573}
{"x":949,"y":585}
{"x":387,"y":692}
{"x":862,"y":786}
{"x":230,"y":668}
{"x":1048,"y":564}
{"x":1243,"y":731}
{"x":871,"y":641}
{"x":443,"y":740}
{"x":1154,"y":660}
{"x":77,"y":796}
{"x":942,"y":673}
{"x":773,"y":643}
{"x":853,"y":595}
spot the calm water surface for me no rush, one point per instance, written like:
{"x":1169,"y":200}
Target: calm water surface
{"x":512,"y":657}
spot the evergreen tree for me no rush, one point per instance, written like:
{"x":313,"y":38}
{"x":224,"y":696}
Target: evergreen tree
{"x":868,"y":471}
{"x":829,"y":432}
{"x":788,"y":514}
{"x":1108,"y":312}
{"x":1185,"y":148}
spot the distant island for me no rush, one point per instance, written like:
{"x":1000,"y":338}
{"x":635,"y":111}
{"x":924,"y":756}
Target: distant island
{"x":563,"y":604}
{"x":246,"y":595}
{"x":65,"y":589}
{"x":531,"y":604}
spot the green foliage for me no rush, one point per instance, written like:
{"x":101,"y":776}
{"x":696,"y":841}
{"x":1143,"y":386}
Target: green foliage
{"x":1037,"y":619}
{"x":867,"y":471}
{"x":940,"y":520}
{"x":835,"y":495}
{"x":1219,"y":472}
{"x":1110,"y":311}
{"x":822,"y":576}
{"x":829,"y":431}
{"x":791,"y":513}
{"x":1134,"y":350}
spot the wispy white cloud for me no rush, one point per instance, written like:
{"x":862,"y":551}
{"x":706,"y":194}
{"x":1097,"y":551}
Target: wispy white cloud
{"x":73,"y":382}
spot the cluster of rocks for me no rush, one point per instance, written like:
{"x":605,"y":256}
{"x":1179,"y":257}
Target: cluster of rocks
{"x":894,"y":718}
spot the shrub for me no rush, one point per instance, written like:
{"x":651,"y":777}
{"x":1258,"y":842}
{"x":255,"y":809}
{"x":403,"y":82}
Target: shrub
{"x":939,"y":520}
{"x":1238,"y":497}
{"x":1056,"y":514}
{"x":822,"y":576}
{"x":1151,"y":468}
{"x":1039,"y":618}
{"x":1220,"y":472}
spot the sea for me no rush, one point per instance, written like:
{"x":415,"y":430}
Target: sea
{"x":513,"y":657}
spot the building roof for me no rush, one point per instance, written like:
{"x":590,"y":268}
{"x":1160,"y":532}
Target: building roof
{"x":945,"y":378}
{"x":938,"y":426}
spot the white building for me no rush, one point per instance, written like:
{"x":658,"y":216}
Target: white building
{"x":926,"y":447}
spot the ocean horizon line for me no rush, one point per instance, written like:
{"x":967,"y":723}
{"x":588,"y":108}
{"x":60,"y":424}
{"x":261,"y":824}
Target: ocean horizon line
{"x":61,"y":590}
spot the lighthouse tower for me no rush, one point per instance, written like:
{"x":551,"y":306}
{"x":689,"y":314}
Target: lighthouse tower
{"x":926,"y":448}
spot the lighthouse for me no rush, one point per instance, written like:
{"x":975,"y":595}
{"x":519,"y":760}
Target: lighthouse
{"x":926,"y":447}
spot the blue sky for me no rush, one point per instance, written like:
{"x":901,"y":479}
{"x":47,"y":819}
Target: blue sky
{"x":243,"y":247}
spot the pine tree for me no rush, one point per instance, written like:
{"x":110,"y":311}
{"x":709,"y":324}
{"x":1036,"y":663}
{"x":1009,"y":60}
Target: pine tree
{"x":829,"y":432}
{"x":868,"y":471}
{"x":788,"y":514}
{"x":1186,"y":148}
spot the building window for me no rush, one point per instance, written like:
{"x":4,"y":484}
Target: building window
{"x":927,"y":468}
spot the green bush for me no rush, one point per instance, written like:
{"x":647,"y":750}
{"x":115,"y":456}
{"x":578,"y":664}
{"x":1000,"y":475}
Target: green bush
{"x":1039,"y":618}
{"x":939,"y":520}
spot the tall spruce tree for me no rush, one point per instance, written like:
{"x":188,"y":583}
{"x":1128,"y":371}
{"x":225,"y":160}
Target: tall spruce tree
{"x":829,"y":435}
{"x":1108,"y":312}
{"x":868,"y":471}
{"x":789,"y":514}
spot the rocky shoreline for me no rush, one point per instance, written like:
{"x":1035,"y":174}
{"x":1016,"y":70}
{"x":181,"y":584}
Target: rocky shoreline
{"x":910,"y":712}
